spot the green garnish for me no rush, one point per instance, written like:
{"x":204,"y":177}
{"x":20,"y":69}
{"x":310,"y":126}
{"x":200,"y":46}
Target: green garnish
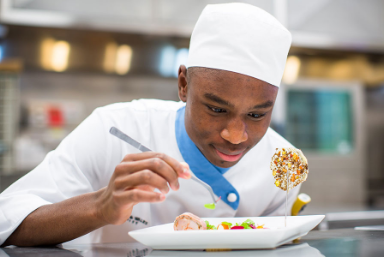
{"x":210,"y":206}
{"x":227,"y":223}
{"x":209,"y":226}
{"x":246,"y":224}
{"x":249,"y":222}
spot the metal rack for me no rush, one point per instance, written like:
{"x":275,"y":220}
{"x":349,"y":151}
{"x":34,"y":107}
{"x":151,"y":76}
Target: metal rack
{"x":9,"y":97}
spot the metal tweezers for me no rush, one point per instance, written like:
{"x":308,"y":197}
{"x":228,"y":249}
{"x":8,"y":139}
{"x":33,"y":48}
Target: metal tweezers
{"x":116,"y":132}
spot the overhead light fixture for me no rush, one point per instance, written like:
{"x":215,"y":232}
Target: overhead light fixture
{"x":110,"y":57}
{"x":60,"y":54}
{"x":123,"y":59}
{"x":1,"y":52}
{"x":167,"y":61}
{"x":46,"y":53}
{"x":292,"y":68}
{"x":54,"y":54}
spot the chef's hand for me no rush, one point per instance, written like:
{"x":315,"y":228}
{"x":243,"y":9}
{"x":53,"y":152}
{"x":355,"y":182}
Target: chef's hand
{"x":135,"y":179}
{"x":132,"y":182}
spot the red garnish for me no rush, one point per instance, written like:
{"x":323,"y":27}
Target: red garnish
{"x":237,"y":227}
{"x":252,"y":226}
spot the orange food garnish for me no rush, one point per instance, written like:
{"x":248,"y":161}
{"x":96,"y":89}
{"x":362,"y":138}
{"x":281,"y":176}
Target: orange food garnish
{"x":284,"y":170}
{"x":293,"y":178}
{"x":223,"y":225}
{"x":259,"y":226}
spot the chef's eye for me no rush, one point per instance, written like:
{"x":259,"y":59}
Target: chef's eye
{"x":217,"y":110}
{"x":256,"y":116}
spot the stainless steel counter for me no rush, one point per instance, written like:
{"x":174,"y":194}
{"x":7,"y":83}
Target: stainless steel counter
{"x":339,"y":242}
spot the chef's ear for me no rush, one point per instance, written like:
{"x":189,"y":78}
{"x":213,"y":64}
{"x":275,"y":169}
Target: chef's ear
{"x":183,"y":83}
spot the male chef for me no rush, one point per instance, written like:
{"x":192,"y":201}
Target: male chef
{"x":97,"y":185}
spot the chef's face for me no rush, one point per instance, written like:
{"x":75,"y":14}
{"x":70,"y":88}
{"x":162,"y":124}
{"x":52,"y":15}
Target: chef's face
{"x":226,"y":113}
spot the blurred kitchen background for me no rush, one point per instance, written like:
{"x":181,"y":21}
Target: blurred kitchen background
{"x":62,"y":59}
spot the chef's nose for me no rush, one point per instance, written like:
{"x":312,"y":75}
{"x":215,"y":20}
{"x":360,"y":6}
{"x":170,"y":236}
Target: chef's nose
{"x":235,"y":132}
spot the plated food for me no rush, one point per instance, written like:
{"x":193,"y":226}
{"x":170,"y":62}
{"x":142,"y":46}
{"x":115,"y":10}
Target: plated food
{"x":165,"y":237}
{"x":289,"y":167}
{"x":189,"y":221}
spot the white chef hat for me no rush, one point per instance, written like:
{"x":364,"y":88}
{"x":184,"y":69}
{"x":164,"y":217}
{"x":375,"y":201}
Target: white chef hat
{"x":240,"y":38}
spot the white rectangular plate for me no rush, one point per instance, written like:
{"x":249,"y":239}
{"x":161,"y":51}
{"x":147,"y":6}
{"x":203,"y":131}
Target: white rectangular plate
{"x":164,"y":237}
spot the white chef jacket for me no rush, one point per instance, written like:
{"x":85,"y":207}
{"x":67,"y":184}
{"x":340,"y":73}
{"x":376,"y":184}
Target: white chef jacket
{"x":86,"y":159}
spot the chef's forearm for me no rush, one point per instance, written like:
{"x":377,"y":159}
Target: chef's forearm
{"x":59,"y":222}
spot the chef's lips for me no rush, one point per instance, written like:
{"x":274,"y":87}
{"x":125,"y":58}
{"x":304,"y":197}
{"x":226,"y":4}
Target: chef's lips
{"x":229,"y":157}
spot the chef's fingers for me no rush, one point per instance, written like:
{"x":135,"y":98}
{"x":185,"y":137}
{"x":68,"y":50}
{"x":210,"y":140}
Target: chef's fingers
{"x":138,"y":196}
{"x":156,"y":165}
{"x":146,"y":188}
{"x":185,"y":166}
{"x":144,"y":177}
{"x":181,"y":170}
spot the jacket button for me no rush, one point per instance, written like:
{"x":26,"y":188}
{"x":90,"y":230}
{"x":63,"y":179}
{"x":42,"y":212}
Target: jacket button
{"x":232,"y":197}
